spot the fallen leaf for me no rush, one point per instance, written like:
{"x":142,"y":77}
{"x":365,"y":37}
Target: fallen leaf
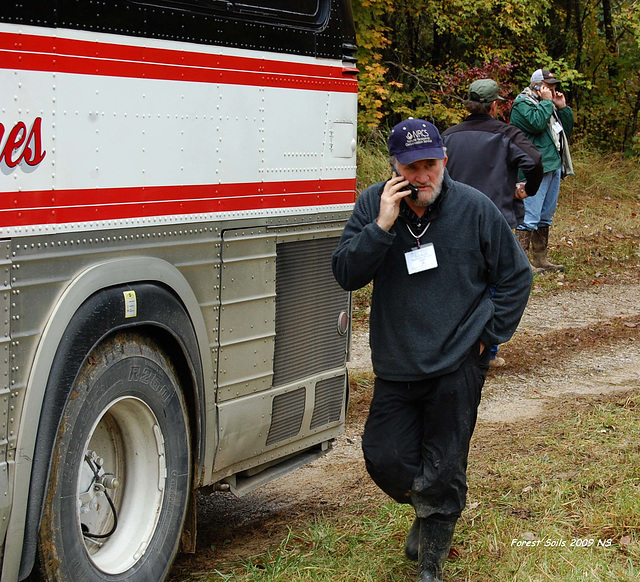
{"x":625,"y":540}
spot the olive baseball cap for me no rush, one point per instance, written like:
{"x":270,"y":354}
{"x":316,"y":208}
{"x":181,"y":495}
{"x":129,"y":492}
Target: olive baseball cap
{"x":415,"y":139}
{"x":483,"y":91}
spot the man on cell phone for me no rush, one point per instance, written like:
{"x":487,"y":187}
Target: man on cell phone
{"x":433,"y":253}
{"x":542,"y":113}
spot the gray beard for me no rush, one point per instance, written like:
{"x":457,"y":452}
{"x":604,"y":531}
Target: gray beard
{"x":437,"y":189}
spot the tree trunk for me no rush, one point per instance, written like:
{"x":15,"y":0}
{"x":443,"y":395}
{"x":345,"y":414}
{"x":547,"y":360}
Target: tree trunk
{"x":609,"y":38}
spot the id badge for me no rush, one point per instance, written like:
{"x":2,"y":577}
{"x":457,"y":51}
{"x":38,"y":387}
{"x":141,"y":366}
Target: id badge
{"x":557,"y":127}
{"x":421,"y":259}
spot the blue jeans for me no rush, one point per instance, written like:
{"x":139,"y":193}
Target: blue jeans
{"x":539,"y":209}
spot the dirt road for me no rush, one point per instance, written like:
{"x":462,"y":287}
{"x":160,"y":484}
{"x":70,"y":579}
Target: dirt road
{"x":583,"y":342}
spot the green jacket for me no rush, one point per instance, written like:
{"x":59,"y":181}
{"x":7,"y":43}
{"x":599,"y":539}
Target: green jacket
{"x":533,"y":120}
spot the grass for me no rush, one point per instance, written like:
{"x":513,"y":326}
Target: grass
{"x":352,"y":547}
{"x":597,"y":225}
{"x":557,"y":499}
{"x":567,"y":480}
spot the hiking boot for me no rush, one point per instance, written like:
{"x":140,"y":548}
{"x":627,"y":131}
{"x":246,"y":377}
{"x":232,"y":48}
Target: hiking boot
{"x":539,"y":244}
{"x":433,"y":548}
{"x":413,"y":538}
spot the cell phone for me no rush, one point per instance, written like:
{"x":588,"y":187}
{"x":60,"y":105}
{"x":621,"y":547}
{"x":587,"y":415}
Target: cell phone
{"x":413,"y":189}
{"x":537,"y":87}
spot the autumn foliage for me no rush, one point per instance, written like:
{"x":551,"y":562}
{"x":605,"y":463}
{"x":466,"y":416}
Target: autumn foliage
{"x":417,"y":57}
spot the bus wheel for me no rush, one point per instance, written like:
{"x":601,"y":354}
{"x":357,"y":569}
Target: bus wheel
{"x":120,"y":473}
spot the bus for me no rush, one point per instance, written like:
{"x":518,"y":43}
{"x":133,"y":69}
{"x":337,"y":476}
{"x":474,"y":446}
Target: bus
{"x":175,"y":177}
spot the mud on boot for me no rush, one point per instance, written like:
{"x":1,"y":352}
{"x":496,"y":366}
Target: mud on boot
{"x":413,"y":539}
{"x":539,"y":244}
{"x":433,"y":548}
{"x":524,"y":238}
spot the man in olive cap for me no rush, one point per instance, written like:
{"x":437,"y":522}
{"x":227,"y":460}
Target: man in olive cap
{"x":488,"y":154}
{"x":542,"y":113}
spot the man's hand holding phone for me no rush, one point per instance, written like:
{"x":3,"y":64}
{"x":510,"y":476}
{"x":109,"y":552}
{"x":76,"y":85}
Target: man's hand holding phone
{"x":413,"y":190}
{"x":545,"y":92}
{"x":394,"y":191}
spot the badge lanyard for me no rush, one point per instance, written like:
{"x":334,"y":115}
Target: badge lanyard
{"x":420,"y":235}
{"x":421,"y":258}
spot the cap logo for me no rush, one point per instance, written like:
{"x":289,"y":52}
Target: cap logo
{"x":417,"y":137}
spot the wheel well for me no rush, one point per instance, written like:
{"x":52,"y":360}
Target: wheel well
{"x":161,"y":316}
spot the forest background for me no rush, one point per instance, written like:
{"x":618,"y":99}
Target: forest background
{"x":418,"y":57}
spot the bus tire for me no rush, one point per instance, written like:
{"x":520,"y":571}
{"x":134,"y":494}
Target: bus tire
{"x":120,"y":476}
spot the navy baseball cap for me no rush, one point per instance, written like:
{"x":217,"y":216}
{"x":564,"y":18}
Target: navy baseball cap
{"x":415,"y":139}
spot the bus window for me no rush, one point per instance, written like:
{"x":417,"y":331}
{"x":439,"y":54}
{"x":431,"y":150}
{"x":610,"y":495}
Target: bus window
{"x":296,"y":13}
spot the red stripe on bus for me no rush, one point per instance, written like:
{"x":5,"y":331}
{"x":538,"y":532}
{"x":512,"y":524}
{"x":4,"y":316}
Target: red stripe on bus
{"x":49,"y":54}
{"x":87,"y":205}
{"x":120,"y":52}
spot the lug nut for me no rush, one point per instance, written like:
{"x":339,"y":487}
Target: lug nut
{"x":110,"y":482}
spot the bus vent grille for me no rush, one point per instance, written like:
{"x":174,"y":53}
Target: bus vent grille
{"x":308,"y":303}
{"x":328,"y":403}
{"x":286,"y":415}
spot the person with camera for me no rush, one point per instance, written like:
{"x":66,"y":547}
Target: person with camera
{"x":433,"y":248}
{"x":542,"y":113}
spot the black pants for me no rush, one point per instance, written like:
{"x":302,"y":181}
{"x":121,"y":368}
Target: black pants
{"x":416,"y":438}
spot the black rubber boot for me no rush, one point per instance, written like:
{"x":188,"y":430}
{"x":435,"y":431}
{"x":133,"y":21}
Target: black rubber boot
{"x":433,"y":548}
{"x":413,"y":539}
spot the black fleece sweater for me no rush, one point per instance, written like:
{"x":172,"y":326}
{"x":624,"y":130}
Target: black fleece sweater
{"x":487,"y":154}
{"x":424,"y":325}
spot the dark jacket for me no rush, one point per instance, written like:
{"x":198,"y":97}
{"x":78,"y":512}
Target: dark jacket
{"x":487,"y":153}
{"x":424,"y":325}
{"x":532,"y":116}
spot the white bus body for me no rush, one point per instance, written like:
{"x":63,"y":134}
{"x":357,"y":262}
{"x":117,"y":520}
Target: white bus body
{"x":174,"y":178}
